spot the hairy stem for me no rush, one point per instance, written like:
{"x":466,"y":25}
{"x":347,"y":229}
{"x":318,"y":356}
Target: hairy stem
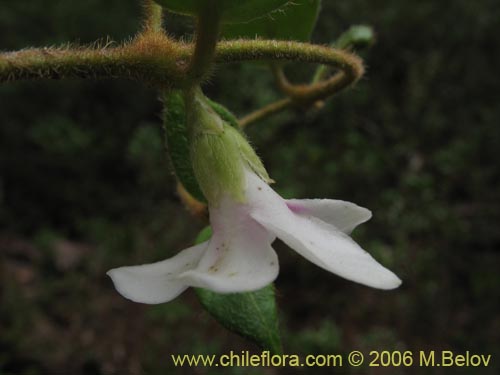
{"x":356,"y":37}
{"x":194,"y":206}
{"x":271,"y":50}
{"x":308,"y":94}
{"x":153,"y":17}
{"x":350,"y":69}
{"x":152,"y":59}
{"x":156,"y":60}
{"x":265,"y":112}
{"x":207,"y":32}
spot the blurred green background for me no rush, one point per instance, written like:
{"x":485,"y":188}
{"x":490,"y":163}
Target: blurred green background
{"x":85,"y":186}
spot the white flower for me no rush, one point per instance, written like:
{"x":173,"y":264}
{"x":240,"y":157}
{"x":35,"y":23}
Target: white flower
{"x":239,"y":256}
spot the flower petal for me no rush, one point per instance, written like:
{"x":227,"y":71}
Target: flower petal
{"x":239,"y":257}
{"x":315,"y":240}
{"x":345,"y":216}
{"x":156,"y":282}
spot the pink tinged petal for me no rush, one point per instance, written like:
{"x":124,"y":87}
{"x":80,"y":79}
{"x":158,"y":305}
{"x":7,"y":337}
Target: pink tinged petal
{"x":317,"y":241}
{"x":239,"y":257}
{"x":156,"y":282}
{"x":345,"y":216}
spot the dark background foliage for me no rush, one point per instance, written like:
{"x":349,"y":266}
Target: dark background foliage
{"x":85,"y":186}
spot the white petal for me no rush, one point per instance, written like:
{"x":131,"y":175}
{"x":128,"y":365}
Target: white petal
{"x":156,"y":282}
{"x":345,"y":216}
{"x":239,"y":257}
{"x":317,"y":241}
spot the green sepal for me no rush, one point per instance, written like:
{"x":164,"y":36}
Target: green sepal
{"x":177,"y":141}
{"x":177,"y":138}
{"x":231,"y":11}
{"x":252,"y":315}
{"x":219,"y":152}
{"x":249,"y":156}
{"x":218,"y":165}
{"x":224,"y":113}
{"x":293,"y":21}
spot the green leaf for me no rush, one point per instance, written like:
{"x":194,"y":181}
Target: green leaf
{"x":174,"y":125}
{"x":204,"y":235}
{"x":252,"y":315}
{"x":232,"y":11}
{"x":357,"y":36}
{"x":293,"y":21}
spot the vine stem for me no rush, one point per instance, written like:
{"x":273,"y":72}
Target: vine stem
{"x":265,"y":112}
{"x":153,"y":17}
{"x":207,"y":33}
{"x":160,"y":61}
{"x":350,"y":68}
{"x":194,"y":206}
{"x":151,"y":58}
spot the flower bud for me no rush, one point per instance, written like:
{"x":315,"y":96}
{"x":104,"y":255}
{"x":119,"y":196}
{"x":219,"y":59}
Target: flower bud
{"x":219,"y":153}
